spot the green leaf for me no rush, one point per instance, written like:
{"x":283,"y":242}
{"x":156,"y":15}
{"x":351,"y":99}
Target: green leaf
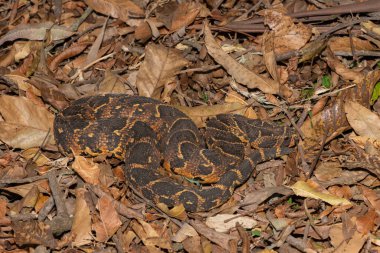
{"x":375,"y":93}
{"x":326,"y":81}
{"x":255,"y":233}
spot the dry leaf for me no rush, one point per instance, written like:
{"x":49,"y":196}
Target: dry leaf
{"x":372,"y":196}
{"x":216,"y":237}
{"x":26,"y":124}
{"x":347,"y":44}
{"x":40,"y":159}
{"x":354,"y":244}
{"x":22,"y":190}
{"x":149,"y":235}
{"x":288,"y":36}
{"x":185,"y":231}
{"x":241,"y":74}
{"x":177,"y":15}
{"x":37,"y":32}
{"x":366,"y":222}
{"x":121,"y":9}
{"x":87,"y":169}
{"x":218,"y":222}
{"x":247,"y":111}
{"x":109,"y":218}
{"x":362,"y":120}
{"x":159,"y":68}
{"x":112,"y":83}
{"x":81,"y":228}
{"x":308,"y":190}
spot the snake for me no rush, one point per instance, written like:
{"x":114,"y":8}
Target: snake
{"x":156,"y":141}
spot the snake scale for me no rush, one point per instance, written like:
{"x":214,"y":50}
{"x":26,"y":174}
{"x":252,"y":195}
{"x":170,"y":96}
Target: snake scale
{"x":148,"y":134}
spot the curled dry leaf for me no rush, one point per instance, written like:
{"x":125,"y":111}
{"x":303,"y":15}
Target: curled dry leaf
{"x":288,"y":36}
{"x":25,"y":124}
{"x":121,"y":9}
{"x":241,"y":74}
{"x":366,"y":222}
{"x":37,"y":32}
{"x":309,"y":190}
{"x":87,"y":170}
{"x":185,"y":231}
{"x":149,"y":236}
{"x":219,"y":238}
{"x":353,"y":245}
{"x":81,"y":228}
{"x":110,"y":220}
{"x":224,"y":222}
{"x":332,"y":121}
{"x":160,"y":66}
{"x":362,"y":120}
{"x":177,"y":15}
{"x":347,"y":44}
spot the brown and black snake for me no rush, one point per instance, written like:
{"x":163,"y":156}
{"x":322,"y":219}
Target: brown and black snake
{"x":148,"y":134}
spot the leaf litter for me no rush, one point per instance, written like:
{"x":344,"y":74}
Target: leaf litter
{"x":309,"y":64}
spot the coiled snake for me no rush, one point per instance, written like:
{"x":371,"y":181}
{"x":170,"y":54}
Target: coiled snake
{"x":148,"y":134}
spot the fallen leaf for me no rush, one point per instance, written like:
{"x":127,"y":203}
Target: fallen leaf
{"x":81,"y":228}
{"x":219,"y":238}
{"x":184,"y":232}
{"x":241,"y":74}
{"x":339,"y":243}
{"x":366,"y":223}
{"x":362,"y":120}
{"x":26,"y":124}
{"x":220,"y":224}
{"x":177,"y":15}
{"x":309,"y":190}
{"x":109,"y":218}
{"x":288,"y":36}
{"x":37,"y":32}
{"x":160,"y":66}
{"x":372,"y":196}
{"x":87,"y":169}
{"x":121,"y":9}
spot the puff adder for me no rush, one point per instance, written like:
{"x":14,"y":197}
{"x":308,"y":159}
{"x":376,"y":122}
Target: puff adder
{"x":148,"y":134}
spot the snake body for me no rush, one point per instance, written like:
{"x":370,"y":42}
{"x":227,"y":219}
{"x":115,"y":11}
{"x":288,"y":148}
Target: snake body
{"x":148,"y":134}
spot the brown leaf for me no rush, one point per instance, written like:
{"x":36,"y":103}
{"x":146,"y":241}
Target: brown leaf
{"x":109,"y":218}
{"x":216,"y":237}
{"x":332,"y":121}
{"x":236,"y":70}
{"x":37,"y":32}
{"x":121,"y":9}
{"x":33,"y":232}
{"x":362,"y":120}
{"x":357,"y":76}
{"x":177,"y":15}
{"x":372,"y":196}
{"x":112,"y":83}
{"x":288,"y":36}
{"x":23,"y":189}
{"x":81,"y":228}
{"x":149,"y":236}
{"x":160,"y":66}
{"x":26,"y":124}
{"x":346,"y":44}
{"x":87,"y":169}
{"x":366,"y":223}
